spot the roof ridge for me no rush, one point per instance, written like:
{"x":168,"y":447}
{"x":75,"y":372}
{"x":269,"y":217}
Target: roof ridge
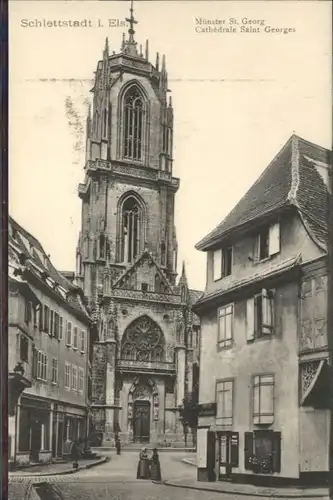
{"x":294,"y":185}
{"x":257,"y":181}
{"x":313,"y":144}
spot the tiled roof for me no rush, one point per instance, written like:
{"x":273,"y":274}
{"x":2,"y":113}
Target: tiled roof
{"x":295,"y":177}
{"x":21,"y":242}
{"x":261,"y":274}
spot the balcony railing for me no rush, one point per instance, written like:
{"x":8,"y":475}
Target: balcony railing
{"x":146,"y":366}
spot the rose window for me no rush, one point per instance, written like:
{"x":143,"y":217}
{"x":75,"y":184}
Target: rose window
{"x":143,"y":341}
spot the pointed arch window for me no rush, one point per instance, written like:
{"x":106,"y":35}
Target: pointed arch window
{"x":134,"y":124}
{"x":131,"y":229}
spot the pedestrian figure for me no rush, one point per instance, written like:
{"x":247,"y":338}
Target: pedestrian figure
{"x":155,"y":467}
{"x":118,"y":445}
{"x":75,"y":454}
{"x":143,"y":465}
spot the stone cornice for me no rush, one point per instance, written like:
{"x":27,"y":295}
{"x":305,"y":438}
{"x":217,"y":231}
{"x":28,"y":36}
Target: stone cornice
{"x":139,"y":296}
{"x":126,"y":171}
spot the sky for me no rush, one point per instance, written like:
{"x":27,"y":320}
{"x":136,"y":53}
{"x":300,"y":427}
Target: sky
{"x":237,"y":98}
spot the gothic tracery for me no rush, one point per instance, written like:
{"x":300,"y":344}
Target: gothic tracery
{"x":143,"y":341}
{"x":134,"y":121}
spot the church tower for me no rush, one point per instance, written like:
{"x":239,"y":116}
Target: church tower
{"x":126,"y":259}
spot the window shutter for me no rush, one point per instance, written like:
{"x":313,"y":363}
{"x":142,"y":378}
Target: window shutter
{"x":41,"y":317}
{"x":61,"y":327}
{"x":56,"y":325}
{"x":276,"y":451}
{"x":234,"y":455}
{"x":266,"y":311}
{"x":34,"y":362}
{"x":26,"y":312}
{"x":274,"y":239}
{"x":51,"y":313}
{"x":250,"y":319}
{"x":217,"y":264}
{"x":248,"y":450}
{"x":46,"y":319}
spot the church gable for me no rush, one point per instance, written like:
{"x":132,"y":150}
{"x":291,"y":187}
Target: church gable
{"x":144,"y":275}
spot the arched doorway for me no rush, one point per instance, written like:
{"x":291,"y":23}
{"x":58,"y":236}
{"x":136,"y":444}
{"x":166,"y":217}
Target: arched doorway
{"x":143,"y":343}
{"x":143,"y":408}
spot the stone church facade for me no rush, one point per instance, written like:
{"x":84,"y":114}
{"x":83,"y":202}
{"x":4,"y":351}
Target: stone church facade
{"x":146,"y":357}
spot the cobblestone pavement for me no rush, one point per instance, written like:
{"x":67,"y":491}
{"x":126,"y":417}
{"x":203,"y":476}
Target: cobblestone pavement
{"x":116,"y":480}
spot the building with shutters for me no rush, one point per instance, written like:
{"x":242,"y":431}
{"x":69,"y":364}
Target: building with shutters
{"x":264,"y":328}
{"x":48,"y":354}
{"x":146,"y":357}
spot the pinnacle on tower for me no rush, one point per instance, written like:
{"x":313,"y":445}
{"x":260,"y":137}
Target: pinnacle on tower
{"x":147,"y":50}
{"x":157,"y":60}
{"x":183,"y":275}
{"x":106,"y":49}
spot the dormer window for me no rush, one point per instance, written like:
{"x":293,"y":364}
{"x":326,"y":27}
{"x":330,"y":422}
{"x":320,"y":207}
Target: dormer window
{"x":268,"y":242}
{"x":222,"y":263}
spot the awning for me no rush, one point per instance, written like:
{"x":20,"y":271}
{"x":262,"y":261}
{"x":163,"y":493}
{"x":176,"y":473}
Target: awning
{"x":316,"y":381}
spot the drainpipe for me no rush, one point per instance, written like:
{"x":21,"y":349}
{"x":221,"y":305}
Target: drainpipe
{"x":330,"y":318}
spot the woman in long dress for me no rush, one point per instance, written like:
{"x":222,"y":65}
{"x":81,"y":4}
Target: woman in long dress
{"x":143,"y":465}
{"x":155,"y":467}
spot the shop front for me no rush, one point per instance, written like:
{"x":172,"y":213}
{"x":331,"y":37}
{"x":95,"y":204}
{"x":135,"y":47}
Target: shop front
{"x":43,"y":429}
{"x":34,"y":444}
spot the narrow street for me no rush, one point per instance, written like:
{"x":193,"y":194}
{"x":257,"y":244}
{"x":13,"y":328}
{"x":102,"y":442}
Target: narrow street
{"x":116,"y":480}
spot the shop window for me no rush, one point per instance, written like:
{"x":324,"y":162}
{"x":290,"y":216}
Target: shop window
{"x":24,"y":430}
{"x":229,"y":448}
{"x":263,"y":451}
